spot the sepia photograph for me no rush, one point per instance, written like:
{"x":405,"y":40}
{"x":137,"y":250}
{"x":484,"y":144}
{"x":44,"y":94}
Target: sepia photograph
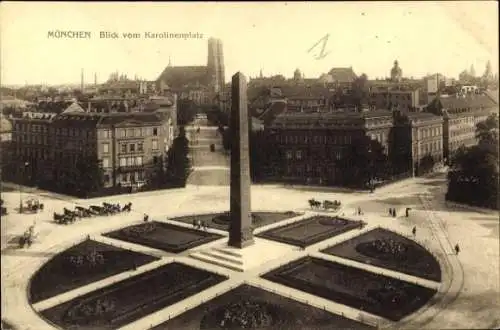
{"x":249,"y":165}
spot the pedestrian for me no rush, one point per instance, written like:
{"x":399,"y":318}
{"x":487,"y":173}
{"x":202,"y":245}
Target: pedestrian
{"x":457,"y":249}
{"x":390,"y":211}
{"x":146,"y":217}
{"x":359,"y":210}
{"x":194,"y":223}
{"x":407,"y":212}
{"x":414,"y":231}
{"x":394,"y":212}
{"x":88,"y":237}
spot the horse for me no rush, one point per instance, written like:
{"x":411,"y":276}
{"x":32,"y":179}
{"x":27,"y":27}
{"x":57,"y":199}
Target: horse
{"x":314,"y":203}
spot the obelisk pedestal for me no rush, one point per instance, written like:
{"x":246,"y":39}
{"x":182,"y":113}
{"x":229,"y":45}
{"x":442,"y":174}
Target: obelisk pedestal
{"x":240,"y":253}
{"x":240,"y":228}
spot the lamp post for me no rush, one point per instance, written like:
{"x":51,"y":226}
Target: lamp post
{"x":21,"y":188}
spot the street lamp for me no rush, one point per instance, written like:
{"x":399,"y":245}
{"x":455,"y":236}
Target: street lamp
{"x":20,"y":189}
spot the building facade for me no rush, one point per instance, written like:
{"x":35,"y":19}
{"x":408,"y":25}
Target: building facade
{"x":197,"y":78}
{"x":418,"y":141}
{"x":310,"y":147}
{"x":461,"y":113}
{"x":127,"y":145}
{"x":404,"y":99}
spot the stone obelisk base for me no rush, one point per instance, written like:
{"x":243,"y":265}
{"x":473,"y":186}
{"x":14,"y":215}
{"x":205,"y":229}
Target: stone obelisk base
{"x":243,"y":259}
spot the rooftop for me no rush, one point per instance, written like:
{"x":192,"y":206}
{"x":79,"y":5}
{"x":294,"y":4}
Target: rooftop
{"x":179,"y":76}
{"x":342,"y":75}
{"x":474,"y":101}
{"x":327,"y":117}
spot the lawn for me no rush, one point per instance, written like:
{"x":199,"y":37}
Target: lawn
{"x":129,"y":300}
{"x":163,"y":236}
{"x":248,"y":307}
{"x":82,"y":264}
{"x":311,"y":230}
{"x":376,"y":294}
{"x":386,"y":249}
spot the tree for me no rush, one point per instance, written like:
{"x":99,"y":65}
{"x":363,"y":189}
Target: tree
{"x":426,"y":164}
{"x":186,"y":111}
{"x":360,"y":91}
{"x":86,"y":176}
{"x":178,"y":163}
{"x":473,"y":178}
{"x":487,"y":133}
{"x":364,"y":161}
{"x":158,"y":177}
{"x":472,"y":71}
{"x":464,"y":76}
{"x":487,"y":71}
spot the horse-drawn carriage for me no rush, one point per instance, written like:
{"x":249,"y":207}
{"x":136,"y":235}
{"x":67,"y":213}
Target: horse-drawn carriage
{"x":327,"y":205}
{"x":28,"y":237}
{"x":94,"y":210}
{"x":31,"y":205}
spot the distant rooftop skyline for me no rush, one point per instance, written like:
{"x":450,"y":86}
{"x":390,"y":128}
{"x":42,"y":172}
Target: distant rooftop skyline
{"x":425,"y":38}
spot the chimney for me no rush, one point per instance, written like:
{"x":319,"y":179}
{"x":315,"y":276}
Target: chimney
{"x":81,"y":81}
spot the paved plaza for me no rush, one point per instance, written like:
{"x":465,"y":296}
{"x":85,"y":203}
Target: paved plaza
{"x":466,"y":298}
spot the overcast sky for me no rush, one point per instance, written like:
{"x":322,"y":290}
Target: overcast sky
{"x":425,"y":37}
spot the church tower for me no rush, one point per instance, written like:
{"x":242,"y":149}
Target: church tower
{"x":396,"y":72}
{"x":215,"y":65}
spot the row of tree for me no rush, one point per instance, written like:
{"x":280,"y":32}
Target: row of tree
{"x":473,"y":177}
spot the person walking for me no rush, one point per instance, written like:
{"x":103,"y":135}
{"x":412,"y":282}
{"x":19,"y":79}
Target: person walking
{"x":414,"y":231}
{"x":457,"y":249}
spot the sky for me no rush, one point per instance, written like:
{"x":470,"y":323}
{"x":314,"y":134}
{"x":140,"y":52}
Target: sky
{"x":425,"y":37}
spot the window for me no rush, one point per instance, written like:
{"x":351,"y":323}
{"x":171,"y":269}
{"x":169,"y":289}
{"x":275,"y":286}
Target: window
{"x":106,"y":178}
{"x":124,"y":177}
{"x":130,"y":161}
{"x":105,"y":148}
{"x":144,"y":131}
{"x":138,"y":132}
{"x":138,"y":160}
{"x":155,"y":131}
{"x":123,"y":161}
{"x":105,"y":134}
{"x":105,"y":162}
{"x":155,"y":145}
{"x":140,"y":146}
{"x":299,"y":154}
{"x":130,"y":132}
{"x":289,"y":155}
{"x":132,"y":147}
{"x":155,"y":159}
{"x":123,"y":133}
{"x":123,"y":148}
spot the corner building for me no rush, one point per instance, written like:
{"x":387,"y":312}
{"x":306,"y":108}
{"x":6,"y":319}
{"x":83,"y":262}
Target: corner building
{"x":309,"y":147}
{"x":128,"y":145}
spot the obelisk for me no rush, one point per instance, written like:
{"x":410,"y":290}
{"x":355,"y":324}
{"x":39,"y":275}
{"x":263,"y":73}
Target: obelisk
{"x":240,"y":228}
